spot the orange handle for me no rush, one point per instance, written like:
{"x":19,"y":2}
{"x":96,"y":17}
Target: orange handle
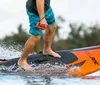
{"x":42,"y":26}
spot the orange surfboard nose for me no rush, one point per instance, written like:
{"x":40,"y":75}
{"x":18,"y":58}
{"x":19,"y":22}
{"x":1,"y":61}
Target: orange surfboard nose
{"x":91,"y":59}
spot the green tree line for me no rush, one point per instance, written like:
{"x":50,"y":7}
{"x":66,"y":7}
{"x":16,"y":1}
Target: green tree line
{"x":79,"y":36}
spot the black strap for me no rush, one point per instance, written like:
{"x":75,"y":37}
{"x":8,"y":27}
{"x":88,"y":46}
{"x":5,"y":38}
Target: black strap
{"x":42,"y":18}
{"x":3,"y":60}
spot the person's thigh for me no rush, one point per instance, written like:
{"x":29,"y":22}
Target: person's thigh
{"x":50,"y":18}
{"x":33,"y":20}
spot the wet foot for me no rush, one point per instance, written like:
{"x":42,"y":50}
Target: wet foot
{"x":51,"y":53}
{"x":25,"y":66}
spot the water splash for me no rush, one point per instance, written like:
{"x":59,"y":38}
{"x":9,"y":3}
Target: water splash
{"x":9,"y":52}
{"x":43,"y":69}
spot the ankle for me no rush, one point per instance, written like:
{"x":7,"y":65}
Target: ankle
{"x":47,"y":49}
{"x":20,"y":61}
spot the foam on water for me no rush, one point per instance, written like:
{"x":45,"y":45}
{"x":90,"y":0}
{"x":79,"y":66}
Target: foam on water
{"x":9,"y":52}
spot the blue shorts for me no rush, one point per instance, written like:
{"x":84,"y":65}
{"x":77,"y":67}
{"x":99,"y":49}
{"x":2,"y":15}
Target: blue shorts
{"x":34,"y":19}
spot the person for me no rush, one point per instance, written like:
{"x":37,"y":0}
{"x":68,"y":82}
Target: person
{"x":38,"y":10}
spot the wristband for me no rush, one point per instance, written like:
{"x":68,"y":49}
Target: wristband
{"x":42,"y":26}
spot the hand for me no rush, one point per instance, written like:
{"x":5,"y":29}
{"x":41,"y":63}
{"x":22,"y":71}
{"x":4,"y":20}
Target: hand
{"x":43,"y":21}
{"x":42,"y":25}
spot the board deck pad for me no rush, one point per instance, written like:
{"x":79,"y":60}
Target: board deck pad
{"x":83,"y":60}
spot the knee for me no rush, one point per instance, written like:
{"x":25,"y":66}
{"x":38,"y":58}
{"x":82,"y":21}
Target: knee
{"x":52,"y":28}
{"x":55,"y":26}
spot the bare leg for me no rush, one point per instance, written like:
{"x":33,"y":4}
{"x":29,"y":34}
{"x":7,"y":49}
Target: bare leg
{"x":48,"y":41}
{"x":29,"y":45}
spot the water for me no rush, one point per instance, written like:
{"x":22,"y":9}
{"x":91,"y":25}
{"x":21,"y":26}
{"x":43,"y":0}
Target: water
{"x":39,"y":80}
{"x":31,"y":79}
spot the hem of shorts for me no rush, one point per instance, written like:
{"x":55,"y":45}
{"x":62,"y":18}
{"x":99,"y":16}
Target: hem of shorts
{"x":52,"y":24}
{"x":36,"y":35}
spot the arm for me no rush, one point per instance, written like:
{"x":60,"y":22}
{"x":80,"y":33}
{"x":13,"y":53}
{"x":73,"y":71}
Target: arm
{"x":40,"y":9}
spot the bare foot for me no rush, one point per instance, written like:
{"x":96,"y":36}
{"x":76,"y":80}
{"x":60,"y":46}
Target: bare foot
{"x":25,"y":66}
{"x":51,"y":53}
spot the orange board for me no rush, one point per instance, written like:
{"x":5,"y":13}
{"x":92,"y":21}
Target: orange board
{"x":89,"y":60}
